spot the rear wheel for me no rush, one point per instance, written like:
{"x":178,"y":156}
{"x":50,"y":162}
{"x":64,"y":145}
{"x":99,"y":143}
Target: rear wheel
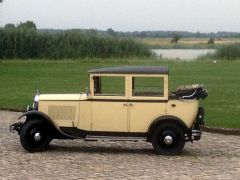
{"x":168,"y":139}
{"x":35,"y":136}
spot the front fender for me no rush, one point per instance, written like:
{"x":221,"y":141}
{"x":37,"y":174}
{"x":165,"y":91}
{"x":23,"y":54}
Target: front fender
{"x":40,"y":115}
{"x":34,"y":113}
{"x":37,"y":114}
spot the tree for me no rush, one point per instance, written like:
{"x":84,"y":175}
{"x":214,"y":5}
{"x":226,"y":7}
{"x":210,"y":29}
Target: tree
{"x":111,"y":32}
{"x":28,"y":25}
{"x":176,"y":38}
{"x":198,"y":34}
{"x":9,"y":26}
{"x":93,"y":31}
{"x":143,"y":34}
{"x":211,"y":41}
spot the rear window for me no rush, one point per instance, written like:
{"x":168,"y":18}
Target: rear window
{"x":147,"y":86}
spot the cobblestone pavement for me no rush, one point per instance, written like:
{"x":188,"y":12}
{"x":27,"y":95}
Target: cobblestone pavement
{"x":214,"y":157}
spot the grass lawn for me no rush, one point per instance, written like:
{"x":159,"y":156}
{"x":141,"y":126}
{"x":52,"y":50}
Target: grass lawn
{"x":19,"y":80}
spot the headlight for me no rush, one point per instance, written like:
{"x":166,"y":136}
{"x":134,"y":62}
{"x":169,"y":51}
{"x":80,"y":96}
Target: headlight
{"x":36,"y":98}
{"x":35,"y":103}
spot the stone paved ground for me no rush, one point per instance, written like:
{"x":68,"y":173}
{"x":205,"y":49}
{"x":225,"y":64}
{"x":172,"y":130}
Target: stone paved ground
{"x":214,"y":157}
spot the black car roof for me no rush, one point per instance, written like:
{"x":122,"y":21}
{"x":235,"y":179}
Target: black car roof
{"x":131,"y":70}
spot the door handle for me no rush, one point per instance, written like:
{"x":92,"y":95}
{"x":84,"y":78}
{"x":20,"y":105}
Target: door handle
{"x":127,"y":104}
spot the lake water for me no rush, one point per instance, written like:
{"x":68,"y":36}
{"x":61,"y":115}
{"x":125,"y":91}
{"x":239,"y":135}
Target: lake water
{"x":186,"y":54}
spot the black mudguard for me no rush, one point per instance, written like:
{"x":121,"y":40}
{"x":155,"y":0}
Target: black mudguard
{"x":167,"y":119}
{"x":34,"y":114}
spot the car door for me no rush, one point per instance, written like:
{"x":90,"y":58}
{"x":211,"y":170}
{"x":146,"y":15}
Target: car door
{"x":147,"y":101}
{"x":109,"y":116}
{"x":142,"y":114}
{"x":108,"y":105}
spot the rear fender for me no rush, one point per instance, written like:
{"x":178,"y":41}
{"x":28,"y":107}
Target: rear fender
{"x":166,"y":119}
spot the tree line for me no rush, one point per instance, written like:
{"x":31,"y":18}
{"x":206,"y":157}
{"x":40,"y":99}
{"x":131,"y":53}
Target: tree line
{"x":25,"y":41}
{"x":159,"y":34}
{"x":171,"y":34}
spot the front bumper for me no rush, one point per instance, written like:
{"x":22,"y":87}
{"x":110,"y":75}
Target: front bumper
{"x":16,"y":127}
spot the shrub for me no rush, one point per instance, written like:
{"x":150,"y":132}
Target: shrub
{"x":211,"y":41}
{"x":176,"y":38}
{"x":229,"y":52}
{"x":25,"y":43}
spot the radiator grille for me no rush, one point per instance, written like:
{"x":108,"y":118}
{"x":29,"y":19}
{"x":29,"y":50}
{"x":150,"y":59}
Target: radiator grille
{"x":62,"y":112}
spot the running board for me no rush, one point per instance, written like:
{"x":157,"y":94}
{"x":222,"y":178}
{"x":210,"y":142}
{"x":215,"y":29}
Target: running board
{"x":113,"y":138}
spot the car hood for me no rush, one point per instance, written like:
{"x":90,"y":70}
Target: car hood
{"x":63,"y":97}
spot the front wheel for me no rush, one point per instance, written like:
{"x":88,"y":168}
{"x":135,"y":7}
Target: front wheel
{"x":168,"y":139}
{"x":35,"y":136}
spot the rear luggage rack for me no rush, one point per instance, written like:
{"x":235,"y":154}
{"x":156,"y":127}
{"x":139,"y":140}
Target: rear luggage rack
{"x":194,"y":91}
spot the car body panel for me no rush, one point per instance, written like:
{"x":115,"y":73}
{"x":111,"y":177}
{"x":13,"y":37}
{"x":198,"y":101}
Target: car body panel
{"x":63,"y":112}
{"x":85,"y":116}
{"x":186,"y":110}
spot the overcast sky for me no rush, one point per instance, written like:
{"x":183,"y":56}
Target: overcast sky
{"x":125,"y":15}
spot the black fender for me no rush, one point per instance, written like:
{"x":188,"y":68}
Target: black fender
{"x":37,"y":114}
{"x":166,"y":119}
{"x":34,"y":114}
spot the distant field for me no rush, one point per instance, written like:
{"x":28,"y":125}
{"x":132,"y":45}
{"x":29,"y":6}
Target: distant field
{"x":187,"y":43}
{"x":20,"y":79}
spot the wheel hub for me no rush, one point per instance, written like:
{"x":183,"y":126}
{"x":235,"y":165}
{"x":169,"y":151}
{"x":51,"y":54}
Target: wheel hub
{"x":168,"y":140}
{"x":37,"y":137}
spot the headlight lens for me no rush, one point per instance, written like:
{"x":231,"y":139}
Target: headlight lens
{"x":35,"y":103}
{"x":36,"y":98}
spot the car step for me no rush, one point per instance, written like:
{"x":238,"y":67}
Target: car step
{"x":113,"y":138}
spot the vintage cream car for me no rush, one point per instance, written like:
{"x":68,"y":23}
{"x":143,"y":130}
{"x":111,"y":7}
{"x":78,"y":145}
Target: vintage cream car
{"x":123,"y":103}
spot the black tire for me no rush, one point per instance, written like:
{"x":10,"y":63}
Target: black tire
{"x":177,"y":135}
{"x":28,"y":131}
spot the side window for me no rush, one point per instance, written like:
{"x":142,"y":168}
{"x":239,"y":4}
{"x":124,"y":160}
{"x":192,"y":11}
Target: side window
{"x":109,"y":86}
{"x":148,"y":86}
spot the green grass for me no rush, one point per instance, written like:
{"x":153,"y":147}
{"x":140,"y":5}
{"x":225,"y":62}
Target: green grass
{"x":20,"y":79}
